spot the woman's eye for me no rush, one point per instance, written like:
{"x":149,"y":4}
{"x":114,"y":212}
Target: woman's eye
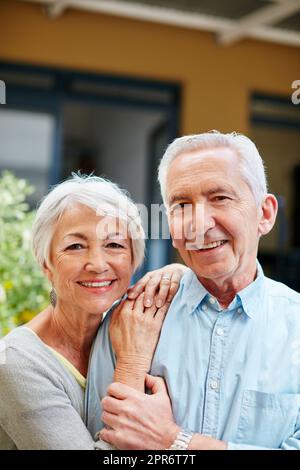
{"x":75,"y":247}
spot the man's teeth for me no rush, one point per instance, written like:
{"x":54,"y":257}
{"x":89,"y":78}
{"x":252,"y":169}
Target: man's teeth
{"x":96,"y":284}
{"x":212,"y":245}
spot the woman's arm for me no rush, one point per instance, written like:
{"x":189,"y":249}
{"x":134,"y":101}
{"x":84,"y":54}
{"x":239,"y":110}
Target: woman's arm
{"x":134,"y":333}
{"x":136,"y":324}
{"x":35,"y":409}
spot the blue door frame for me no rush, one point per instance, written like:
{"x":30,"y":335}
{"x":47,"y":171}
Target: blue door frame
{"x":59,"y":90}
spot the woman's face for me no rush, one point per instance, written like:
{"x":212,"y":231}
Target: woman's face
{"x":91,"y":260}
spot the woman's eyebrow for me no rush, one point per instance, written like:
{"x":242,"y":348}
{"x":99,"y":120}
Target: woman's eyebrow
{"x":116,"y":235}
{"x":76,"y":235}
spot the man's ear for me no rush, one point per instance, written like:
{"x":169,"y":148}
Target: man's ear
{"x":48,"y":272}
{"x":269,"y":209}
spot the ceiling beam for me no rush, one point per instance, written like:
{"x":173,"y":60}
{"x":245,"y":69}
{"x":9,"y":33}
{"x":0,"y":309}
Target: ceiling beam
{"x":56,"y":8}
{"x":268,"y":15}
{"x":184,"y":19}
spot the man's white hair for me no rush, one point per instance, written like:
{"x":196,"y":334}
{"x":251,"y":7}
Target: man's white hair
{"x":99,"y":194}
{"x":250,"y":162}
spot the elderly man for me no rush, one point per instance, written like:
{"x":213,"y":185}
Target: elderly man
{"x":229,"y":349}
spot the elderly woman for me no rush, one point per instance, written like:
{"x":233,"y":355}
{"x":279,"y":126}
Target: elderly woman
{"x":88,"y":240}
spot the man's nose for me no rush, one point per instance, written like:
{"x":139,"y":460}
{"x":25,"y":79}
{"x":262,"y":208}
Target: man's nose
{"x":202,"y":221}
{"x":203,"y":218}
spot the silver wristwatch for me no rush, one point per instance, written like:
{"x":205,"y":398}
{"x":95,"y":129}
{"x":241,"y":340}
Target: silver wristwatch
{"x":182,"y":440}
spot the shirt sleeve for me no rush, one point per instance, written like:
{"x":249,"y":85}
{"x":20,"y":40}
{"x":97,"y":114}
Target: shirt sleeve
{"x":35,"y":410}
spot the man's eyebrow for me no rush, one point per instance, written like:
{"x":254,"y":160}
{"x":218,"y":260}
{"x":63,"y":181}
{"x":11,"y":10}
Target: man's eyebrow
{"x":221,"y":189}
{"x":179,"y":197}
{"x":215,"y":189}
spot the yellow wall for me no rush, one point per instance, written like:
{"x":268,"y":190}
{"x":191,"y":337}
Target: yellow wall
{"x":216,"y":80}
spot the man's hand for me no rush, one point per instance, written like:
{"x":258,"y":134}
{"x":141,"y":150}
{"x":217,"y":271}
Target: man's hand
{"x":136,"y":420}
{"x":139,"y":421}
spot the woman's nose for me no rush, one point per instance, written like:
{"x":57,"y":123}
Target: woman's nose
{"x":97,"y":261}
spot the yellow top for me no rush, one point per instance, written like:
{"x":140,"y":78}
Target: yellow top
{"x":67,"y":364}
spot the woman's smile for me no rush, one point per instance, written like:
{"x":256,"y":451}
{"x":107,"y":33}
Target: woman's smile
{"x":98,"y":286}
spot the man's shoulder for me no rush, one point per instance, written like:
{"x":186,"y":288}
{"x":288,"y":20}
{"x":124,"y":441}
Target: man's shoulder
{"x":187,"y":278}
{"x":187,"y":285}
{"x":278,"y":289}
{"x":281,"y":293}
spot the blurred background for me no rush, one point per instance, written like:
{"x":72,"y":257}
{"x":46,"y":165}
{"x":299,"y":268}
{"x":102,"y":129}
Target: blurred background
{"x":104,"y":86}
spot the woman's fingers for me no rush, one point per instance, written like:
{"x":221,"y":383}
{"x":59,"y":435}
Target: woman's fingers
{"x":151,"y":288}
{"x":174,"y":284}
{"x":159,"y":286}
{"x":139,"y":307}
{"x":161,"y":313}
{"x":124,"y":308}
{"x":164,"y":290}
{"x":139,"y":287}
{"x":138,"y":304}
{"x":150,"y":284}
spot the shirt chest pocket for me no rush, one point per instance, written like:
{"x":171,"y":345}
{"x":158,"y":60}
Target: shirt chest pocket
{"x":267,"y":419}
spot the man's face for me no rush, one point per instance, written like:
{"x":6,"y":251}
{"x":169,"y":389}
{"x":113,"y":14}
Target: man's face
{"x":218,"y":234}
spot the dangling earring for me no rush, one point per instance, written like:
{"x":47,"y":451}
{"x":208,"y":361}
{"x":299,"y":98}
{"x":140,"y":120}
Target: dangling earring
{"x":53,"y":297}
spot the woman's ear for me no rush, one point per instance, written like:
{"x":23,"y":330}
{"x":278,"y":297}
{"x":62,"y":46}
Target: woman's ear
{"x":269,"y":209}
{"x":48,"y":272}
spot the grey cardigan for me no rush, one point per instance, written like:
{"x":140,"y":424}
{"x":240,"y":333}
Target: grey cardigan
{"x":41,"y":403}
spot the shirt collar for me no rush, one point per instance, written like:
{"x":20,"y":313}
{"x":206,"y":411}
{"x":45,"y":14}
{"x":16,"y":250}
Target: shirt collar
{"x":250,"y":297}
{"x":193,"y":291}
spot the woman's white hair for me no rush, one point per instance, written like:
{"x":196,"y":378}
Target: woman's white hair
{"x":99,"y":194}
{"x":250,"y":162}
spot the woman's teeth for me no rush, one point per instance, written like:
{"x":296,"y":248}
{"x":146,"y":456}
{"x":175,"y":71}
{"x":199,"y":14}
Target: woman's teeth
{"x":96,"y":284}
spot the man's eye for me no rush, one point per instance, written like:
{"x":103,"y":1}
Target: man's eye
{"x":179,"y":206}
{"x":220,"y":198}
{"x":114,"y":245}
{"x":75,"y":246}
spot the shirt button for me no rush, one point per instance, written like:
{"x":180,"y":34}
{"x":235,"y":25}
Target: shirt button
{"x":204,"y":307}
{"x":214,"y":385}
{"x":220,"y":331}
{"x":212,"y":300}
{"x":240,"y":310}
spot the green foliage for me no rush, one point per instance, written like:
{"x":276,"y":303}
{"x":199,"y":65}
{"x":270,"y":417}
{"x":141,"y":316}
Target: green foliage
{"x":23,"y":288}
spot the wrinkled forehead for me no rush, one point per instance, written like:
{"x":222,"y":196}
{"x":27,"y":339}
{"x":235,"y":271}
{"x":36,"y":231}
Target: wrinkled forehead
{"x":81,"y":219}
{"x":202,"y":167}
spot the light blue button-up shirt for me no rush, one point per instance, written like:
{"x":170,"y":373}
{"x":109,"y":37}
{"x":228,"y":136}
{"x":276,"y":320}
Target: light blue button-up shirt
{"x":233,"y":374}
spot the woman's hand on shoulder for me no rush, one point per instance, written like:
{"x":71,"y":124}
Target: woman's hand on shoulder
{"x":159,"y":286}
{"x":134,"y":330}
{"x":136,"y":323}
